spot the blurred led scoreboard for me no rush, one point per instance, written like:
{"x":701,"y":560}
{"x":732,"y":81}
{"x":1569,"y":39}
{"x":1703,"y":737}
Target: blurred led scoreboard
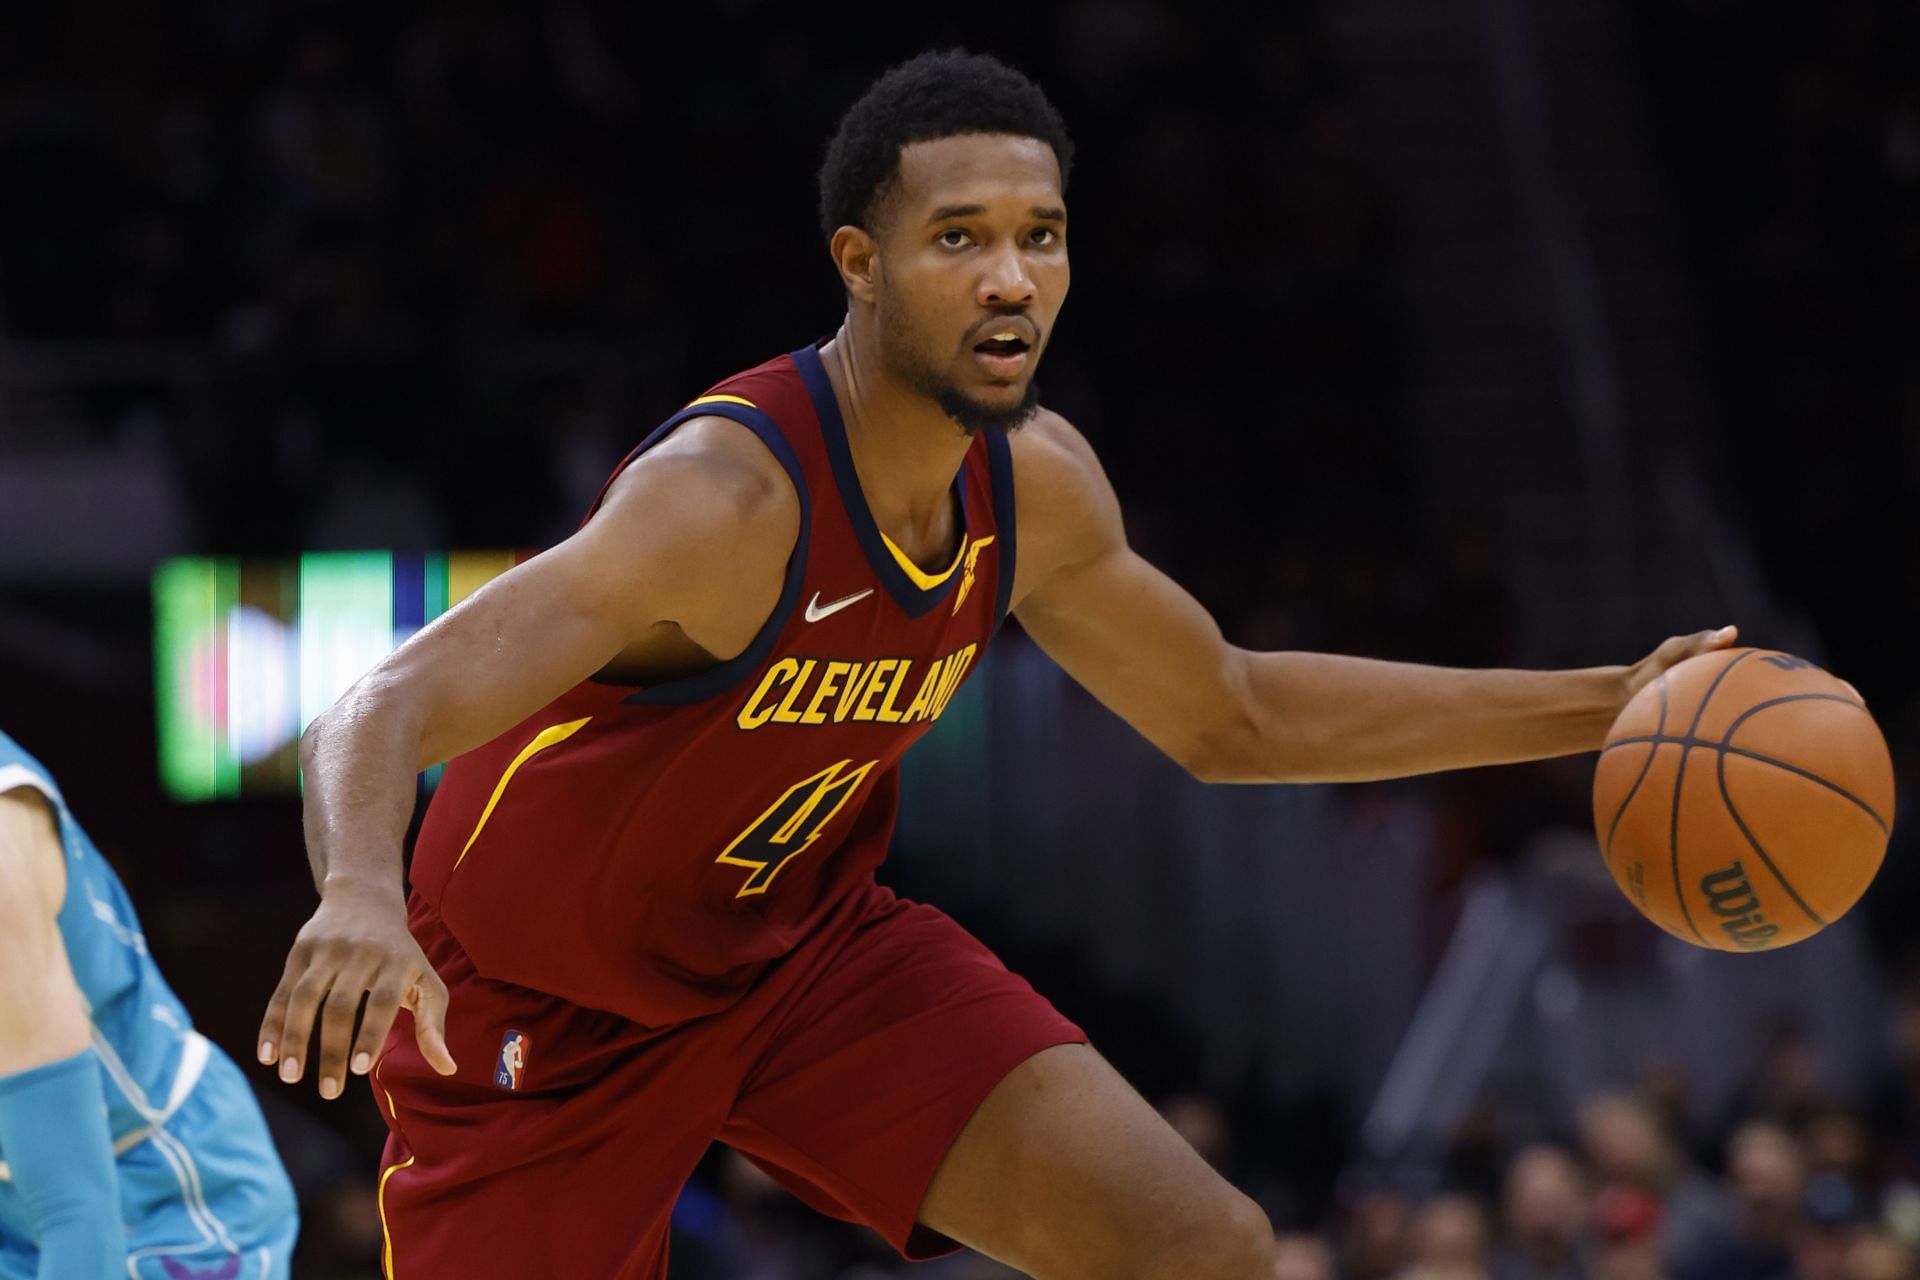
{"x":248,"y":652}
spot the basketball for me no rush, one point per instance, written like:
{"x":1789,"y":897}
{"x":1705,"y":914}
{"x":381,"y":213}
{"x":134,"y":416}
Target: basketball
{"x":1743,"y":800}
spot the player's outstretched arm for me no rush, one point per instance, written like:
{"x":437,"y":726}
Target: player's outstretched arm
{"x":1142,"y":645}
{"x":53,"y":1122}
{"x":692,"y":542}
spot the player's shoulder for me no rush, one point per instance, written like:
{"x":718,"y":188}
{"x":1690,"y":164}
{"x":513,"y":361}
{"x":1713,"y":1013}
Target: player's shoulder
{"x":20,"y":771}
{"x":1065,"y":506}
{"x":1049,"y":447}
{"x":1056,"y":475}
{"x":710,"y":472}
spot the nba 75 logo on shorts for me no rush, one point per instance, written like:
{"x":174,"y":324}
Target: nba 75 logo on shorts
{"x":513,"y":1060}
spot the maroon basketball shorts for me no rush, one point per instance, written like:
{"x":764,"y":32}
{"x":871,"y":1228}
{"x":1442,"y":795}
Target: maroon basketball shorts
{"x":561,"y":1144}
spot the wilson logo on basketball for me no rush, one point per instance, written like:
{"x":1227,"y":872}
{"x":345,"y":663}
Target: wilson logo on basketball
{"x":1732,"y":898}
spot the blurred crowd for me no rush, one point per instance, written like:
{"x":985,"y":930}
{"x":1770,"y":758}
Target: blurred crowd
{"x":1798,"y":1182}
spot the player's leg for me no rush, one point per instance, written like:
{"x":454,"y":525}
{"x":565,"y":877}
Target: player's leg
{"x":566,"y":1164}
{"x":915,"y":1085}
{"x":1065,"y":1171}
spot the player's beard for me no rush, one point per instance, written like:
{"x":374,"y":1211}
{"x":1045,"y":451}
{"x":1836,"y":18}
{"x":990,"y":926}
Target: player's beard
{"x":905,"y":361}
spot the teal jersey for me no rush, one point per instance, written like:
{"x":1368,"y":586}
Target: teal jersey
{"x":202,"y":1191}
{"x":150,"y":1057}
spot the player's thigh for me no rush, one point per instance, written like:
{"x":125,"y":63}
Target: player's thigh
{"x":1064,"y":1171}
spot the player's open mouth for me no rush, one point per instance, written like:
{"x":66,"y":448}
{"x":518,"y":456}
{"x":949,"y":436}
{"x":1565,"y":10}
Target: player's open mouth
{"x":1003,"y":353}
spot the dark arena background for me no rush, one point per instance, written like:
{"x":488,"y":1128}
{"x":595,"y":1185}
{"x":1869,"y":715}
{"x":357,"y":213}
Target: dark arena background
{"x":1475,"y":332}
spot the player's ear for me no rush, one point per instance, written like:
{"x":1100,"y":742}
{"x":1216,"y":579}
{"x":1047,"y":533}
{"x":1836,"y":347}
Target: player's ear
{"x":857,"y":256}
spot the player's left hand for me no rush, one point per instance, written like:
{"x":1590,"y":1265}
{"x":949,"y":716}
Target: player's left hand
{"x":1673,"y":652}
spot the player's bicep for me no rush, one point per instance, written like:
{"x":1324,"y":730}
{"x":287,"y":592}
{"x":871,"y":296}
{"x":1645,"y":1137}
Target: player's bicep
{"x":1143,"y":646}
{"x":679,"y":535}
{"x":1129,"y":634}
{"x":42,"y":1018}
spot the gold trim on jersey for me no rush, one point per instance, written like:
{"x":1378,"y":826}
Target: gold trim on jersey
{"x":380,"y":1195}
{"x":547,"y":737}
{"x":920,"y":577}
{"x":720,"y":400}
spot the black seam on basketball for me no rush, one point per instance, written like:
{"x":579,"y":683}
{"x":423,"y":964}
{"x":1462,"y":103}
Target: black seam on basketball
{"x":1673,"y":845}
{"x":1836,"y":788}
{"x":1792,"y":697}
{"x":1726,"y":797}
{"x":1679,"y":782}
{"x":1634,"y":790}
{"x":1750,"y":754}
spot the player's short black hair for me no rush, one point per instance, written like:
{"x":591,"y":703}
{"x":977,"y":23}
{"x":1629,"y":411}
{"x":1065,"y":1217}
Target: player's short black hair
{"x":939,"y":94}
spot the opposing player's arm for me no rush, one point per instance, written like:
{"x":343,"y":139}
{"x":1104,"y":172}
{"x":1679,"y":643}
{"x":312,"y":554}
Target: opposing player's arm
{"x":1143,"y":646}
{"x":693,"y":538}
{"x":52,"y":1125}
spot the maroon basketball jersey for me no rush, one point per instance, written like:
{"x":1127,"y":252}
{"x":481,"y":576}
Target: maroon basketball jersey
{"x":649,"y":851}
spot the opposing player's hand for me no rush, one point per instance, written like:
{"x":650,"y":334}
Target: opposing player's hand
{"x":356,"y":946}
{"x":1672,"y":653}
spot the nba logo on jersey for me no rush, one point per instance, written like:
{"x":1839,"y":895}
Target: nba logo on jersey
{"x":513,"y":1060}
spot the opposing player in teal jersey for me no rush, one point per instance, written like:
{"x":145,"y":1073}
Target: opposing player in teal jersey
{"x":129,"y":1145}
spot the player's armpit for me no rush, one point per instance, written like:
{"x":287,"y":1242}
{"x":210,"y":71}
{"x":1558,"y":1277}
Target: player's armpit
{"x":1126,"y":632}
{"x":42,"y":1016}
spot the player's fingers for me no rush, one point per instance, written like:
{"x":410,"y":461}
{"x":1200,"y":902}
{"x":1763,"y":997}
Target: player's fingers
{"x":428,"y":1000}
{"x":1707,"y":641}
{"x":383,"y":1002}
{"x":336,"y":1031}
{"x":297,"y":1027}
{"x":272,"y":1024}
{"x":1680,"y":648}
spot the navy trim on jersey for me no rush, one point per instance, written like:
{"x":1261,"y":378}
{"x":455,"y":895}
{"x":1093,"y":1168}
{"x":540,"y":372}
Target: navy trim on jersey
{"x":718,"y":679}
{"x":1000,"y":471}
{"x":910,"y":596}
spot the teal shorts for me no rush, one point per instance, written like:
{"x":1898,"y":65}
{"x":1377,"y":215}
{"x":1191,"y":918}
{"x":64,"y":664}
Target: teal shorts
{"x":204,"y":1197}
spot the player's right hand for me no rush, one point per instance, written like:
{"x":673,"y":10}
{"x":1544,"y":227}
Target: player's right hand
{"x":356,"y":946}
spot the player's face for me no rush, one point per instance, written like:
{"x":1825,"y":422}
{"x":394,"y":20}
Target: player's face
{"x":972,"y":271}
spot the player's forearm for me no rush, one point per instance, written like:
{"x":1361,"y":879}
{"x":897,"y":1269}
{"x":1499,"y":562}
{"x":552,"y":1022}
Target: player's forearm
{"x":1312,"y":717}
{"x":360,"y":762}
{"x":53,"y":1129}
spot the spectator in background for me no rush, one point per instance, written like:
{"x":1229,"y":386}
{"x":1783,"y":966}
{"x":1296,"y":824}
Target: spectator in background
{"x":1448,"y":1241}
{"x":1302,"y":1257}
{"x":1545,"y":1211}
{"x":1374,"y":1242}
{"x":1628,"y":1240}
{"x":1626,"y":1146}
{"x":1876,"y":1255}
{"x":1769,"y":1179}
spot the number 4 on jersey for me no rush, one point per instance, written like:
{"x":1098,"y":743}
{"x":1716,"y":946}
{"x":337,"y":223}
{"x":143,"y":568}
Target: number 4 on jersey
{"x":793,"y":822}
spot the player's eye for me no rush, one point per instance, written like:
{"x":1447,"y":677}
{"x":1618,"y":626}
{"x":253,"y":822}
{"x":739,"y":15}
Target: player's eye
{"x":954,"y":238}
{"x":1044,"y":237}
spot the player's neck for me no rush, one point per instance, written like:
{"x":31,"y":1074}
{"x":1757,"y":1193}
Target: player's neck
{"x":905,"y":450}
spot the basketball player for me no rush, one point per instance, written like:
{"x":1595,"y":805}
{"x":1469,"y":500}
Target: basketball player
{"x":643,"y":912}
{"x":130,"y":1145}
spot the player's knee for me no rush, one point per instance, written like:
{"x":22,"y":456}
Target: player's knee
{"x":1233,"y":1240}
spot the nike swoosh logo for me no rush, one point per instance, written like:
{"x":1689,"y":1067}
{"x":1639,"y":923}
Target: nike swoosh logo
{"x":816,"y":611}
